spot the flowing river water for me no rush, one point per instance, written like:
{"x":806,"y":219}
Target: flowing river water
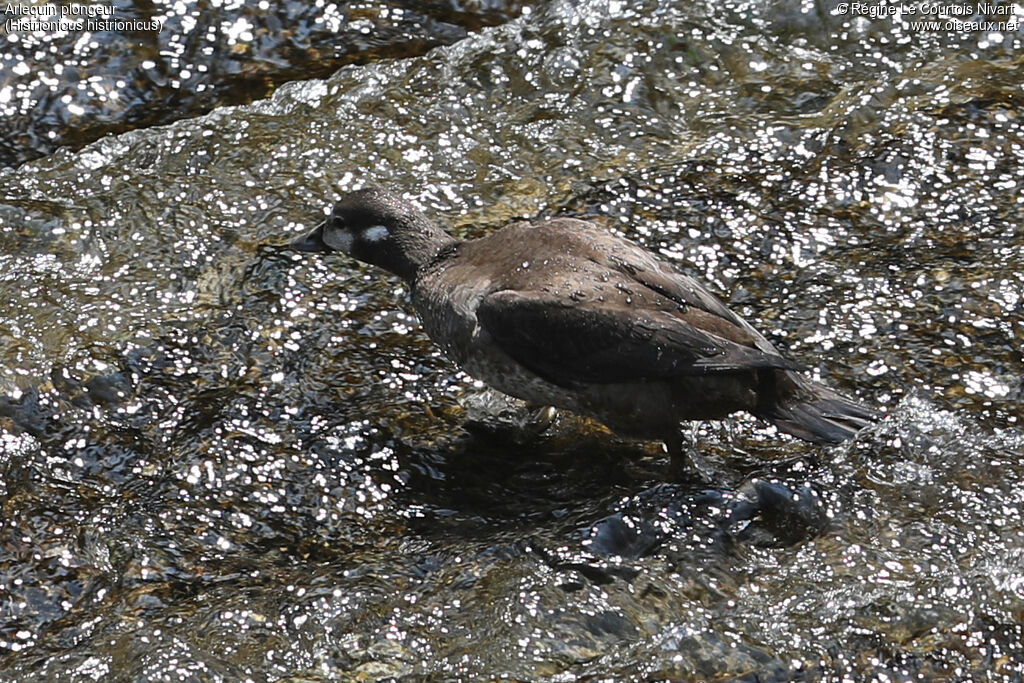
{"x":222,"y":461}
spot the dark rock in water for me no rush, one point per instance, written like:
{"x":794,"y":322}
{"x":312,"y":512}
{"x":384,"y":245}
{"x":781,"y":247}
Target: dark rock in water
{"x":621,"y":536}
{"x":777,"y":514}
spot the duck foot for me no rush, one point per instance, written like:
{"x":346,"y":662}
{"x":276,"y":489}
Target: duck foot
{"x":493,"y":414}
{"x":539,"y":419}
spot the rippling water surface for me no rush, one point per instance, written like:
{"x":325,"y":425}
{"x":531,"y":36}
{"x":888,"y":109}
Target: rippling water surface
{"x":224,"y":461}
{"x":97,"y":68}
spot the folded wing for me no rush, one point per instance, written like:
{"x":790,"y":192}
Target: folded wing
{"x":570,"y":344}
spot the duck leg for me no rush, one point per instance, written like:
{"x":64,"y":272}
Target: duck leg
{"x":684,"y":460}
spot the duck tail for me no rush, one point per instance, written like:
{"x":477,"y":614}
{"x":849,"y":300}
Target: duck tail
{"x":809,"y":410}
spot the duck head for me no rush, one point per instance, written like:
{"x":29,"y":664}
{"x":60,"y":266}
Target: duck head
{"x":379,"y":228}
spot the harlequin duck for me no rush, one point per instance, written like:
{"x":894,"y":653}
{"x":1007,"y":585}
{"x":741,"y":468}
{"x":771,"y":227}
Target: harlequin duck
{"x":561,"y":312}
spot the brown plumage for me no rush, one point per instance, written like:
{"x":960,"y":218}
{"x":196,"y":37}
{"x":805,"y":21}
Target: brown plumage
{"x":563,"y":313}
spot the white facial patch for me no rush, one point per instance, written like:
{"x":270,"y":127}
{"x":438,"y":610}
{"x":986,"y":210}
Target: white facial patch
{"x":375,"y":233}
{"x":339,"y":240}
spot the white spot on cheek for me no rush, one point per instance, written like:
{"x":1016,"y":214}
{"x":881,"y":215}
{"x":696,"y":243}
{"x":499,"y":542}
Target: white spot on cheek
{"x":375,"y":233}
{"x":339,"y":241}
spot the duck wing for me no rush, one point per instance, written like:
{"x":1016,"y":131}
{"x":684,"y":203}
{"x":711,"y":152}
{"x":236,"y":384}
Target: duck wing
{"x":638,"y":266}
{"x":573,"y":343}
{"x":643,"y":268}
